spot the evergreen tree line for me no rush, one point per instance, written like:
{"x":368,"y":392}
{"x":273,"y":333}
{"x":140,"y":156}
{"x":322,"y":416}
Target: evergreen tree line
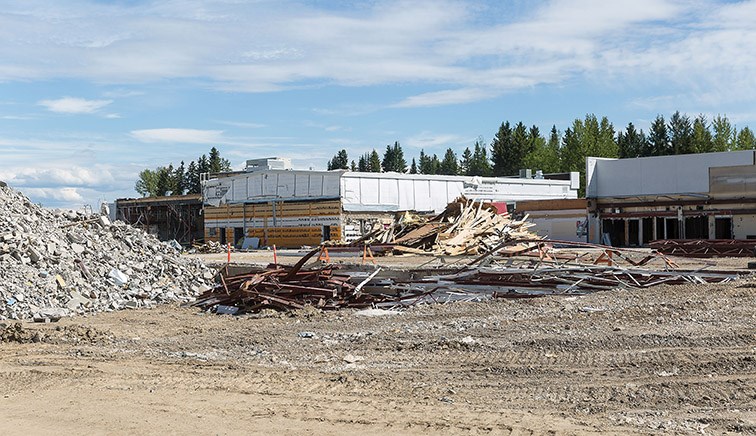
{"x":180,"y":180}
{"x":516,"y":146}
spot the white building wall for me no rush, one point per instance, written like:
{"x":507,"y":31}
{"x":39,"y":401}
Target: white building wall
{"x":272,"y":184}
{"x":680,"y":174}
{"x":365,"y":192}
{"x":393,"y":191}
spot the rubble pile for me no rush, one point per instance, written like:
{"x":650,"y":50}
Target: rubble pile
{"x":59,"y":263}
{"x":465,"y":227}
{"x":286,"y":288}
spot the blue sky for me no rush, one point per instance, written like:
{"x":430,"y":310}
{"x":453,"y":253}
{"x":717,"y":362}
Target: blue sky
{"x":91,"y":92}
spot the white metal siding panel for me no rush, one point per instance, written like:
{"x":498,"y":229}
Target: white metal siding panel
{"x":406,"y":194}
{"x":331,"y":185}
{"x":316,"y":185}
{"x":422,"y":195}
{"x":389,"y":193}
{"x":369,"y":191}
{"x":681,"y":174}
{"x":285,"y":185}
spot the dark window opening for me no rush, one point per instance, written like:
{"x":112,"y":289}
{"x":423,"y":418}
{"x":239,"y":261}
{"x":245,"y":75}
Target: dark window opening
{"x":660,"y":229}
{"x":613,"y":232}
{"x":697,"y":227}
{"x":633,"y":233}
{"x":673,"y":228}
{"x":238,"y":236}
{"x":723,"y":228}
{"x":326,"y":233}
{"x":648,"y":230}
{"x":222,"y":236}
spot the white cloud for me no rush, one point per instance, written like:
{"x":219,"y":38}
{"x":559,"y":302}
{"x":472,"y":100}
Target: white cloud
{"x":429,"y":140}
{"x":193,"y":136}
{"x":72,"y":105}
{"x":242,"y":124}
{"x":440,"y":98}
{"x":59,"y":195}
{"x":470,"y":50}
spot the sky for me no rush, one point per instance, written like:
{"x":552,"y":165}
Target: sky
{"x":94,"y":91}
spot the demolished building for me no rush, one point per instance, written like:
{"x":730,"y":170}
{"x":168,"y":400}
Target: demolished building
{"x":272,"y":204}
{"x":175,"y":217}
{"x":706,"y":196}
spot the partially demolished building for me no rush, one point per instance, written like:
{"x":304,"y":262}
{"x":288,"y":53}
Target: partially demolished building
{"x":269,"y":203}
{"x":698,"y":196}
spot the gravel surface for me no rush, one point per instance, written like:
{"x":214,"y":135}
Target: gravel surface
{"x":677,"y":360}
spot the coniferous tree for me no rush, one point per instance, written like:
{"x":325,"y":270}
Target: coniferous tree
{"x":680,"y":134}
{"x":435,"y":165}
{"x":374,"y":164}
{"x":631,"y":142}
{"x":424,"y":163}
{"x":538,"y":158}
{"x":192,"y":179}
{"x":179,"y":180}
{"x":217,"y":164}
{"x":340,"y":161}
{"x":501,"y":151}
{"x":393,"y":159}
{"x":363,"y":164}
{"x":353,"y":166}
{"x":465,"y":162}
{"x":703,"y":142}
{"x":745,"y":139}
{"x":723,"y":133}
{"x":449,"y":165}
{"x":413,"y":167}
{"x":658,"y":138}
{"x":480,"y":164}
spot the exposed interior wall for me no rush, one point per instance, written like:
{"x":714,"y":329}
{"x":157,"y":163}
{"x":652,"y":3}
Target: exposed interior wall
{"x":282,"y":223}
{"x":744,"y":226}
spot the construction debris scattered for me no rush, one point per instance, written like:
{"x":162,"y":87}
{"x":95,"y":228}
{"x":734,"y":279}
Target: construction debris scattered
{"x":326,"y":287}
{"x":465,"y":227}
{"x":57,"y":263}
{"x":706,"y":247}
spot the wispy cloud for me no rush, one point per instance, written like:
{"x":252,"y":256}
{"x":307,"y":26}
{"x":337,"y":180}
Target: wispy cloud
{"x":440,"y":98}
{"x":193,"y":136}
{"x":429,"y":140}
{"x":72,"y":105}
{"x":242,"y":124}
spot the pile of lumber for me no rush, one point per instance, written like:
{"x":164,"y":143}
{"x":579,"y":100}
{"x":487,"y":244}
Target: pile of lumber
{"x":465,"y":227}
{"x":285,"y":288}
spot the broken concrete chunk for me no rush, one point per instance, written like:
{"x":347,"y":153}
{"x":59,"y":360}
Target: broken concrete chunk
{"x":118,"y":277}
{"x":77,"y":248}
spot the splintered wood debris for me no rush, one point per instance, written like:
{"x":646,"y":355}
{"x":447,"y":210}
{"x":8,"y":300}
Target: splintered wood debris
{"x":465,"y":227}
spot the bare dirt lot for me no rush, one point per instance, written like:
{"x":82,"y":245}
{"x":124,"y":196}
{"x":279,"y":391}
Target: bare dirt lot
{"x":665,"y":360}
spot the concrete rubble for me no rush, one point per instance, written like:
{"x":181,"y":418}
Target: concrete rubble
{"x":61,"y":263}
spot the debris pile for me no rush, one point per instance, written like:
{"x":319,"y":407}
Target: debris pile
{"x":465,"y":227}
{"x":706,"y":247}
{"x":210,"y":247}
{"x":57,"y":263}
{"x":287,"y":288}
{"x":565,"y":279}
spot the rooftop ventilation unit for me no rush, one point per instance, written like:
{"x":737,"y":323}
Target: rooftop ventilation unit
{"x":268,"y":163}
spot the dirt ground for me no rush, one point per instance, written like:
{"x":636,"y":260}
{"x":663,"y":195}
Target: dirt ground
{"x":665,"y":360}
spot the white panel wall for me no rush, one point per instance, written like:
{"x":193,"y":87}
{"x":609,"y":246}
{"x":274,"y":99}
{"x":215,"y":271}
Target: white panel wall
{"x":433,"y":193}
{"x":658,"y":175}
{"x":379,"y":192}
{"x":272,"y":185}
